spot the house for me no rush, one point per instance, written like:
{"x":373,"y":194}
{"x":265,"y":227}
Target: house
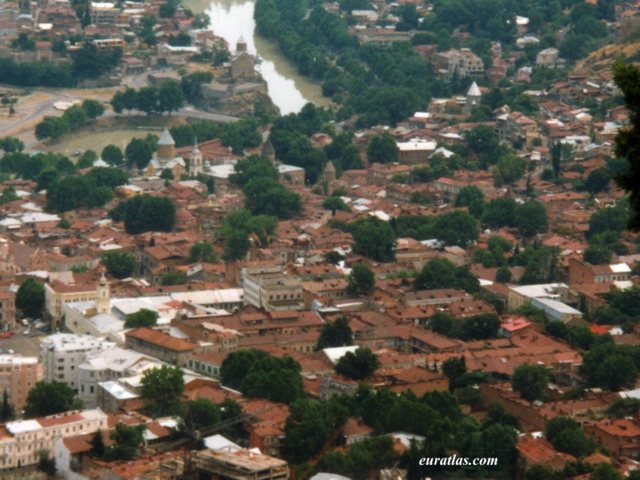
{"x":621,"y":437}
{"x":160,"y":345}
{"x":581,"y":272}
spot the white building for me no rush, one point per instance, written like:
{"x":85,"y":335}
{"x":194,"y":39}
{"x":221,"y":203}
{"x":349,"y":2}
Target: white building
{"x":62,"y":353}
{"x":22,"y":441}
{"x":107,"y":365}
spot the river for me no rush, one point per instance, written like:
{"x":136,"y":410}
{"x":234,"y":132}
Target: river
{"x":232,"y":20}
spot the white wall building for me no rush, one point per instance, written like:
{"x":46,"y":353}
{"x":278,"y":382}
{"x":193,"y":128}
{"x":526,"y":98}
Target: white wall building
{"x":22,"y":441}
{"x":107,"y":365}
{"x":62,"y":353}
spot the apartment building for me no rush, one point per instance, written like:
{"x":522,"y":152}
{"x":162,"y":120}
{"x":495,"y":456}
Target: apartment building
{"x":61,"y":355}
{"x":22,"y":441}
{"x":18,"y":375}
{"x":270,"y":288}
{"x":464,"y":63}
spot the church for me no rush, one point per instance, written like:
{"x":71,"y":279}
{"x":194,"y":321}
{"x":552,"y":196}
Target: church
{"x":166,"y":158}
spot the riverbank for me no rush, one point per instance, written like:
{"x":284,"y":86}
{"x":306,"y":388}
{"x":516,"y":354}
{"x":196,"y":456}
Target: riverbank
{"x":232,"y":20}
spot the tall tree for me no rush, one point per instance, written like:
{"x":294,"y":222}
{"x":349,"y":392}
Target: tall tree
{"x":362,"y":280}
{"x":30,"y":298}
{"x":382,"y":149}
{"x":530,"y":381}
{"x":335,"y":334}
{"x":162,"y":388}
{"x":357,"y":365}
{"x":627,"y":77}
{"x":48,"y":398}
{"x":374,"y":239}
{"x":7,"y":412}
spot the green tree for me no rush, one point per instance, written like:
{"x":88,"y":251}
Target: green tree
{"x":30,"y":298}
{"x":456,"y":228}
{"x":483,"y":143}
{"x":598,"y":180}
{"x":383,"y":149}
{"x":509,"y":169}
{"x":174,"y":278}
{"x":362,"y":280}
{"x":503,"y":275}
{"x":357,"y":365}
{"x":499,"y":213}
{"x":627,"y":78}
{"x":92,"y":108}
{"x":112,"y":155}
{"x":609,"y":366}
{"x":49,"y":398}
{"x":201,"y":252}
{"x":170,"y":96}
{"x":142,"y":318}
{"x":308,"y":428}
{"x":597,"y":255}
{"x":472,"y":197}
{"x":257,"y":374}
{"x":441,"y":273}
{"x":7,"y":411}
{"x":127,"y":441}
{"x":335,"y":334}
{"x":200,"y":413}
{"x":374,"y":239}
{"x":98,"y":448}
{"x":119,"y":264}
{"x":236,"y":246}
{"x":138,"y":152}
{"x":334,"y":204}
{"x":145,"y":213}
{"x":162,"y":388}
{"x":46,"y":464}
{"x":566,"y":435}
{"x":605,"y":471}
{"x":531,"y":218}
{"x":530,"y":381}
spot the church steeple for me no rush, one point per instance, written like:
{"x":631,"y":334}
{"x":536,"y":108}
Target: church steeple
{"x":103,"y":296}
{"x":195,"y":160}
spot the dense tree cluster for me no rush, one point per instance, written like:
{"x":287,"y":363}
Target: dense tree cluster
{"x":72,"y":119}
{"x":362,"y":280}
{"x":166,"y":98}
{"x":264,"y":195}
{"x":162,"y":389}
{"x":120,"y":264}
{"x":78,"y":191}
{"x":237,"y":135}
{"x":441,"y":273}
{"x":530,"y":381}
{"x":30,"y":298}
{"x":357,"y":365}
{"x":335,"y":334}
{"x":145,"y":213}
{"x":374,"y":239}
{"x":142,"y":318}
{"x":48,"y":398}
{"x":257,"y":374}
{"x":476,"y":327}
{"x":236,"y":228}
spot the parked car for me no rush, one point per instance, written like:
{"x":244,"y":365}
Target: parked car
{"x":6,"y":334}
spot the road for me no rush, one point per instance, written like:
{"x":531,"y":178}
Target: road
{"x":32,"y":108}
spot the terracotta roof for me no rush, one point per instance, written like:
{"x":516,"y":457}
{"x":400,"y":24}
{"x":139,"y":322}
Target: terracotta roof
{"x":162,"y":340}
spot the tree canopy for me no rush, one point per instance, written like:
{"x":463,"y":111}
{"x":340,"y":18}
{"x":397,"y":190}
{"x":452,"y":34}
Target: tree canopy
{"x":257,"y":374}
{"x":162,"y":388}
{"x":357,"y":365}
{"x":30,"y":298}
{"x":48,"y":398}
{"x":374,"y":239}
{"x":335,"y":334}
{"x":362,"y":280}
